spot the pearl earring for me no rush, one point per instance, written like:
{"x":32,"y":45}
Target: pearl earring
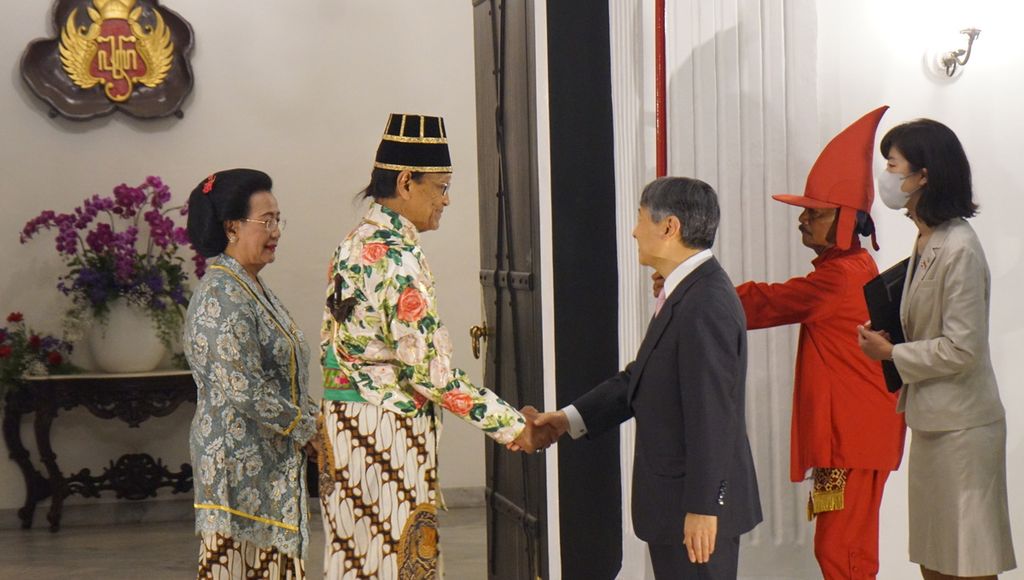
{"x":232,"y":239}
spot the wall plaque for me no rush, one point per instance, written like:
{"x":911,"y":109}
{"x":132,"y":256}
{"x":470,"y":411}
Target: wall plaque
{"x":108,"y":55}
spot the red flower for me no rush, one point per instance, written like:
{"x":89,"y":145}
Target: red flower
{"x":340,"y":380}
{"x":411,"y":305}
{"x":5,"y":351}
{"x":53,"y":359}
{"x":15,"y":317}
{"x":419,"y":400}
{"x":458,"y":403}
{"x":374,"y":252}
{"x":208,"y":186}
{"x":34,"y":342}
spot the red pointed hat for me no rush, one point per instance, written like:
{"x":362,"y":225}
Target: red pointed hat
{"x":842,"y":176}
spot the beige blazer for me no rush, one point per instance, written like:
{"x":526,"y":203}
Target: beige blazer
{"x":945,"y":364}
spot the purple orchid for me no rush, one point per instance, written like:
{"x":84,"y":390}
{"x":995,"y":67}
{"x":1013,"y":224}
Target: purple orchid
{"x":122,"y":245}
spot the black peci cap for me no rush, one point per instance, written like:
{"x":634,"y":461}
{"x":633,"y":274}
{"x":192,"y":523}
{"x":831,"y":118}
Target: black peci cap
{"x":415,"y":143}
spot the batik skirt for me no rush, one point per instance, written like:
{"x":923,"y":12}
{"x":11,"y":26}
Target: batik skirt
{"x":378,"y":490}
{"x":223,"y":558}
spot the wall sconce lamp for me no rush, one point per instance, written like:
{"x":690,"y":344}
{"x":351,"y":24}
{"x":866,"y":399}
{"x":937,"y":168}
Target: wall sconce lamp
{"x":952,"y":59}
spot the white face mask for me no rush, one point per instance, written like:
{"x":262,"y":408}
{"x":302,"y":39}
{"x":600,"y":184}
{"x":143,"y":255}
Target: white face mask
{"x":889,"y":190}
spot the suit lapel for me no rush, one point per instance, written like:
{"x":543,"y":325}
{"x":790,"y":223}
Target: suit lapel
{"x":661,"y":322}
{"x":926,"y":262}
{"x":908,"y":281}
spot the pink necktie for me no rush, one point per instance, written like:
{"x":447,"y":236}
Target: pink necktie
{"x":659,"y":302}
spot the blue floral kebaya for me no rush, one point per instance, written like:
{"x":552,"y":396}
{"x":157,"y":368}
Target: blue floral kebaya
{"x":253,"y":413}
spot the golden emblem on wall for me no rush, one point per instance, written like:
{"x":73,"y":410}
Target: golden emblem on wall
{"x":108,"y":55}
{"x":116,"y":50}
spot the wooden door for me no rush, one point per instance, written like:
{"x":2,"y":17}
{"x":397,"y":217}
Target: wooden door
{"x":509,"y":260}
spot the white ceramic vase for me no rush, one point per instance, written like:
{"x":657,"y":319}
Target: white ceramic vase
{"x":127,"y":342}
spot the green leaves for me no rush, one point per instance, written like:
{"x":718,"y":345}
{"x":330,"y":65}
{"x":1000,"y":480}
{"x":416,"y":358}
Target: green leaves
{"x":478,"y":412}
{"x":405,"y":406}
{"x":427,"y":324}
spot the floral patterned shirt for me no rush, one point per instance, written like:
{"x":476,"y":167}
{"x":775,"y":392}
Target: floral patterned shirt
{"x":382,"y":337}
{"x":253,"y":413}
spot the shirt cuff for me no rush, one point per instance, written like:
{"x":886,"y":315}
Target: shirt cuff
{"x":577,"y":428}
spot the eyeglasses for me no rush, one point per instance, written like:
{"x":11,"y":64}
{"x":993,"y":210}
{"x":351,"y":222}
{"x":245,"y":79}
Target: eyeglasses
{"x":271,"y":224}
{"x":441,"y":189}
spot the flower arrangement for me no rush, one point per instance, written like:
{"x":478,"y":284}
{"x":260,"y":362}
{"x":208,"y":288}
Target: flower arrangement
{"x":25,"y":352}
{"x":108,"y":257}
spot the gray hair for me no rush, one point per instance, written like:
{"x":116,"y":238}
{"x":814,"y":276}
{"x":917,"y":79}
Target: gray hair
{"x":693,"y":202}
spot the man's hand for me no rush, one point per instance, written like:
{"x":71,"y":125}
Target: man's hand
{"x":556,"y":421}
{"x":541,"y":431}
{"x":875,"y":344}
{"x":659,"y":283}
{"x":699,"y":532}
{"x":526,"y":441}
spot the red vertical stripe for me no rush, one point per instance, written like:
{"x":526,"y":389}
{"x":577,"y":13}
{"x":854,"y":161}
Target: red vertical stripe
{"x":661,"y":125}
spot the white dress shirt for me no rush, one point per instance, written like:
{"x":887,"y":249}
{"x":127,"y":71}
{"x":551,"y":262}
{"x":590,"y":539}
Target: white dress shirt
{"x":577,"y":428}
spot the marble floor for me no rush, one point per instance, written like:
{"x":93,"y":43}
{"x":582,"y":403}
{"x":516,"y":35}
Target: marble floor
{"x":168,"y":550}
{"x":159,"y":551}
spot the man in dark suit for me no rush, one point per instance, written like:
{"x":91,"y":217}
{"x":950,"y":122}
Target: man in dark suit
{"x":694,"y":487}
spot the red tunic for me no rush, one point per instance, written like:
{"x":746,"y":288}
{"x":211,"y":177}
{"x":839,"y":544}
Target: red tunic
{"x":843,"y":416}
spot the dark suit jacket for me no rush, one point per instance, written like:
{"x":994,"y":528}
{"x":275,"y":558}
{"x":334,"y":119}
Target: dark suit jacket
{"x":686,"y":389}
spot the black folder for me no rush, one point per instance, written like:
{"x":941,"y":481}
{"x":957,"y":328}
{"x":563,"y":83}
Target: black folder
{"x":883,"y":295}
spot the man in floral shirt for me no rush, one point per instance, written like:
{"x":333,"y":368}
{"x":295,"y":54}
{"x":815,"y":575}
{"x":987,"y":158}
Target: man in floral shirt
{"x":386,"y":357}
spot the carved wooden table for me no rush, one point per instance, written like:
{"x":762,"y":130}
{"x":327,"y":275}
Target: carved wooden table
{"x":132,"y":398}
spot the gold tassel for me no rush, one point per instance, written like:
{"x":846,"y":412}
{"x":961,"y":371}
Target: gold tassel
{"x":828,"y":501}
{"x":829,"y":491}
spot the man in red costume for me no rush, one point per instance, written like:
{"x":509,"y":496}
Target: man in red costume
{"x":845,"y":429}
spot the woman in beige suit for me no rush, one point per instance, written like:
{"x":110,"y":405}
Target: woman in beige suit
{"x":959,"y":518}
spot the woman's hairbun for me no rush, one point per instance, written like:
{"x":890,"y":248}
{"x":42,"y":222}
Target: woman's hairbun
{"x":223,"y":196}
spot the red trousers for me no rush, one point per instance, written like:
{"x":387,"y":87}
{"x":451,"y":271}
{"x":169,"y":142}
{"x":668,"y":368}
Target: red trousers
{"x":846,"y":541}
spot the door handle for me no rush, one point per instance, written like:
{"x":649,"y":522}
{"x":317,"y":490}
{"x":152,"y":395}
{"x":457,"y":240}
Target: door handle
{"x":477,"y":334}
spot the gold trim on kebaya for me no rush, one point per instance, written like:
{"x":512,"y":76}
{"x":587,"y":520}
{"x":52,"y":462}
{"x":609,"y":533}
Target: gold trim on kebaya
{"x":241,"y":514}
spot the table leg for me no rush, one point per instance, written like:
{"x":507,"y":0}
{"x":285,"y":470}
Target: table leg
{"x":37,"y":487}
{"x":45,"y":413}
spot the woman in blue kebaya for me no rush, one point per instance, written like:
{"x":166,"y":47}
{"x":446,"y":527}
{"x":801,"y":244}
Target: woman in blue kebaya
{"x":254,"y":420}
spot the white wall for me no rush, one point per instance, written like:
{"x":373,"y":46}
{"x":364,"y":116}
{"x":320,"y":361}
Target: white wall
{"x":299,"y":89}
{"x":871,"y":54}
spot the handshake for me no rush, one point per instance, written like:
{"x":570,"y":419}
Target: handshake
{"x":542,"y":430}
